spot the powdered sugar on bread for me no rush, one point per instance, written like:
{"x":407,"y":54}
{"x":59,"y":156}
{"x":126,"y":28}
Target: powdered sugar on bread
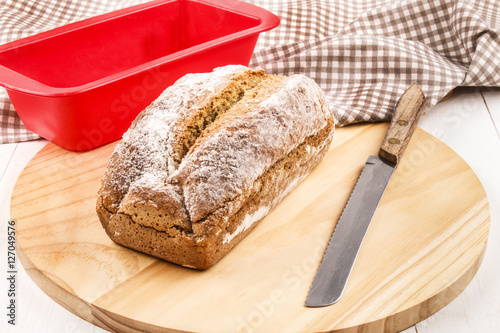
{"x":209,"y":159}
{"x":242,"y":144}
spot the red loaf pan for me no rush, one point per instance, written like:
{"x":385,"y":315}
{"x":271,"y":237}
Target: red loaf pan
{"x":81,"y":85}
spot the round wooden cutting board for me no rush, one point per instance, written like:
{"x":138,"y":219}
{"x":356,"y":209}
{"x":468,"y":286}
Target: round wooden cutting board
{"x":423,"y":247}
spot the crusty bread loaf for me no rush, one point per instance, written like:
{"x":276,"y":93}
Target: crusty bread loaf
{"x":209,"y":159}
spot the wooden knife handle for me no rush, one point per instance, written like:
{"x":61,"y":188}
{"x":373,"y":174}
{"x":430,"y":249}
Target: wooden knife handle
{"x":410,"y":107}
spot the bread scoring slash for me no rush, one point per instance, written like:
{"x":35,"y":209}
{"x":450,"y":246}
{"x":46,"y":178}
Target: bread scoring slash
{"x":208,"y":159}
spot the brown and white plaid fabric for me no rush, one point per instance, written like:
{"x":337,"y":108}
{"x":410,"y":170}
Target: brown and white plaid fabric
{"x":363,"y":53}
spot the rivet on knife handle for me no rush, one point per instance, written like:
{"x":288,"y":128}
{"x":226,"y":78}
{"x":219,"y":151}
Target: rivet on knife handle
{"x":404,"y":121}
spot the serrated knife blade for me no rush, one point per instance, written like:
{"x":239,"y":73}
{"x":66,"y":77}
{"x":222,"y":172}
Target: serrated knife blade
{"x":349,"y":232}
{"x":342,"y":250}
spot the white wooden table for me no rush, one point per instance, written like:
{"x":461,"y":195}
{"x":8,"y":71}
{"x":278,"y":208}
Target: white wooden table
{"x":469,"y":123}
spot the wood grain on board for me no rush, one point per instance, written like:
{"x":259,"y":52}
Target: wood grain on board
{"x":423,"y":247}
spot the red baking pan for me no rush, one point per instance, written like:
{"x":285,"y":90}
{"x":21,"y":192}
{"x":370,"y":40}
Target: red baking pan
{"x":81,"y":85}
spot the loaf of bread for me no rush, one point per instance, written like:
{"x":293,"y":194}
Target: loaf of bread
{"x":207,"y":160}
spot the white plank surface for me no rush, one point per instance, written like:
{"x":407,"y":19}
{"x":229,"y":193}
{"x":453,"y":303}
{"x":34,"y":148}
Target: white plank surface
{"x":6,"y":152}
{"x":492,"y":99}
{"x":468,"y":123}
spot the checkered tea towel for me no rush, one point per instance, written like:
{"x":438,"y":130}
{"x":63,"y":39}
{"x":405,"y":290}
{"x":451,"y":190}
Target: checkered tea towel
{"x":363,"y":53}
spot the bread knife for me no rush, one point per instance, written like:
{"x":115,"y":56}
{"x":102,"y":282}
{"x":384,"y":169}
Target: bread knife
{"x":344,"y":245}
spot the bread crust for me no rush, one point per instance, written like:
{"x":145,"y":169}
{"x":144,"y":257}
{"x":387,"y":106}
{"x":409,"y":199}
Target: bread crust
{"x":239,"y":167}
